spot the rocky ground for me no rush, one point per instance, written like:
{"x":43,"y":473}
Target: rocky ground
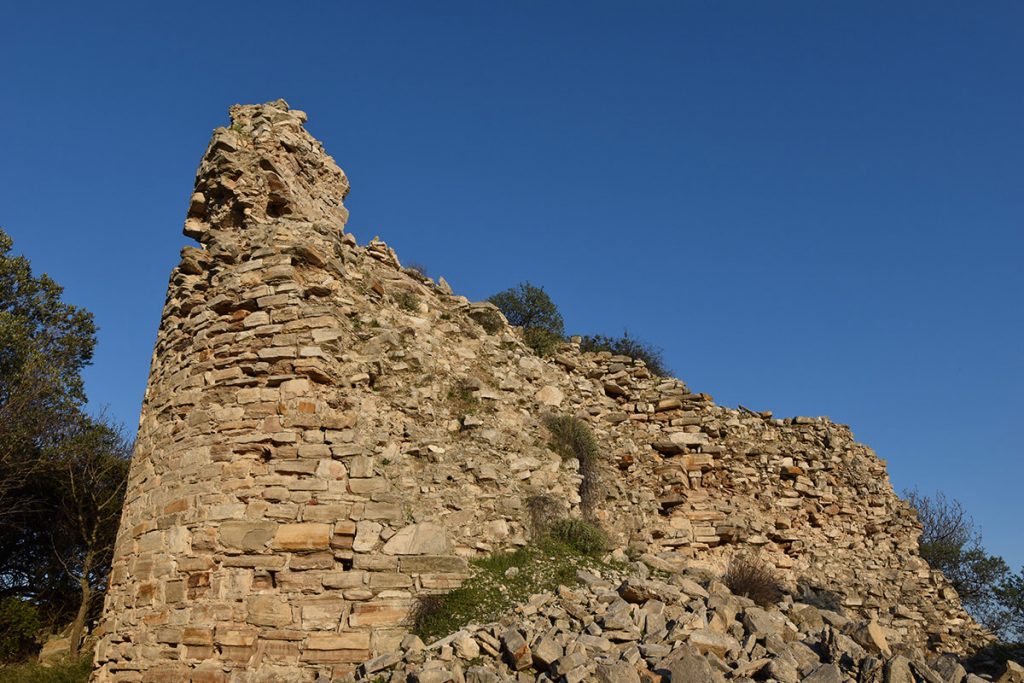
{"x":622,"y":625}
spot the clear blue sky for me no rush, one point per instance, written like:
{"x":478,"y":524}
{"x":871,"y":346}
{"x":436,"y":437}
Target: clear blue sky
{"x":813,"y":207}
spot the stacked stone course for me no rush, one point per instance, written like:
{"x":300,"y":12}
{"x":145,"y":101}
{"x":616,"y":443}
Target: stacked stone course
{"x":327,"y":435}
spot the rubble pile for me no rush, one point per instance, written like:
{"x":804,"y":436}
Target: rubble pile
{"x":616,"y":628}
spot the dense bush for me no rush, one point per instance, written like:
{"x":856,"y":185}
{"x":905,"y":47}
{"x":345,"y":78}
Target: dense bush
{"x":531,"y":308}
{"x":490,"y":320}
{"x":73,"y":671}
{"x":407,"y":301}
{"x":750,"y":577}
{"x":628,"y":346}
{"x":19,"y":628}
{"x":585,"y":538}
{"x":418,"y":268}
{"x":572,"y":439}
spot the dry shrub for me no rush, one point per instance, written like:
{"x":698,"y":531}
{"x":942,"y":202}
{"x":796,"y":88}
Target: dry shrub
{"x":544,"y":511}
{"x":489,"y":320}
{"x":628,"y":346}
{"x":572,"y":439}
{"x":751,"y":577}
{"x":418,"y":268}
{"x":462,"y":395}
{"x":407,"y":301}
{"x":427,"y":612}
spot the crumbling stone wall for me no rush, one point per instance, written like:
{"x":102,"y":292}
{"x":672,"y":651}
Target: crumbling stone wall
{"x":326,"y":435}
{"x":714,"y":481}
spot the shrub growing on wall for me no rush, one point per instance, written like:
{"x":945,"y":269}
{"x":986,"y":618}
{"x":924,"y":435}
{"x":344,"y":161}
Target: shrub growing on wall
{"x":572,"y":439}
{"x":531,"y":308}
{"x":628,"y":346}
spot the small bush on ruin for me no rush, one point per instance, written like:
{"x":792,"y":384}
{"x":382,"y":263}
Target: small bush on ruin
{"x":572,"y":439}
{"x":499,"y":582}
{"x":418,"y":268}
{"x":462,"y":396}
{"x":490,"y":320}
{"x":585,"y":538}
{"x":531,"y":308}
{"x":751,"y":577}
{"x":429,"y":614}
{"x":628,"y":346}
{"x":407,"y":301}
{"x":544,"y":511}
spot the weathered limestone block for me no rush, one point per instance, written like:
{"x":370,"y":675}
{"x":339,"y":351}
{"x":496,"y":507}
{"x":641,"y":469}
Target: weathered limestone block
{"x":419,"y":539}
{"x":246,"y":536}
{"x":303,"y":536}
{"x":268,"y":610}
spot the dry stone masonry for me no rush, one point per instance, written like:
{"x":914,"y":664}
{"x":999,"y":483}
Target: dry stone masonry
{"x":327,"y":435}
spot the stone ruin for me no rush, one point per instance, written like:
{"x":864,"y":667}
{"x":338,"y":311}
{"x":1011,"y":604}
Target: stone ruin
{"x":327,"y":435}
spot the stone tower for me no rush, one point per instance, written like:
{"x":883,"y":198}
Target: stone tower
{"x":238,"y":556}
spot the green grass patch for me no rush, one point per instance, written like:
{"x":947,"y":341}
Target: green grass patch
{"x":76,"y":671}
{"x":500,"y":582}
{"x":583,"y":537}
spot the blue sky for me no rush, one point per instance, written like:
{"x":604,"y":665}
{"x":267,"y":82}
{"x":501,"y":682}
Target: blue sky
{"x":814,"y":208}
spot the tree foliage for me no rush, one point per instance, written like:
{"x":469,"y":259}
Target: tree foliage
{"x":62,"y":471}
{"x":951,"y":543}
{"x":44,"y":344}
{"x":531,"y":308}
{"x":19,"y":626}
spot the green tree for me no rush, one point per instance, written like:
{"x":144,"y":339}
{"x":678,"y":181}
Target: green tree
{"x":62,"y":472}
{"x":531,"y":308}
{"x":1010,"y":615}
{"x":44,"y":344}
{"x":951,"y":543}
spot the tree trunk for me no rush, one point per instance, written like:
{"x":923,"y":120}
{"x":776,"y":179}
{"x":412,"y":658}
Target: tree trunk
{"x":78,"y":625}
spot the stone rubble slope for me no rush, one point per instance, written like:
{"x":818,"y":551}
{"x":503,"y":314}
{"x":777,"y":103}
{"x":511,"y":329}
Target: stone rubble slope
{"x":626,"y":627}
{"x":327,"y":435}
